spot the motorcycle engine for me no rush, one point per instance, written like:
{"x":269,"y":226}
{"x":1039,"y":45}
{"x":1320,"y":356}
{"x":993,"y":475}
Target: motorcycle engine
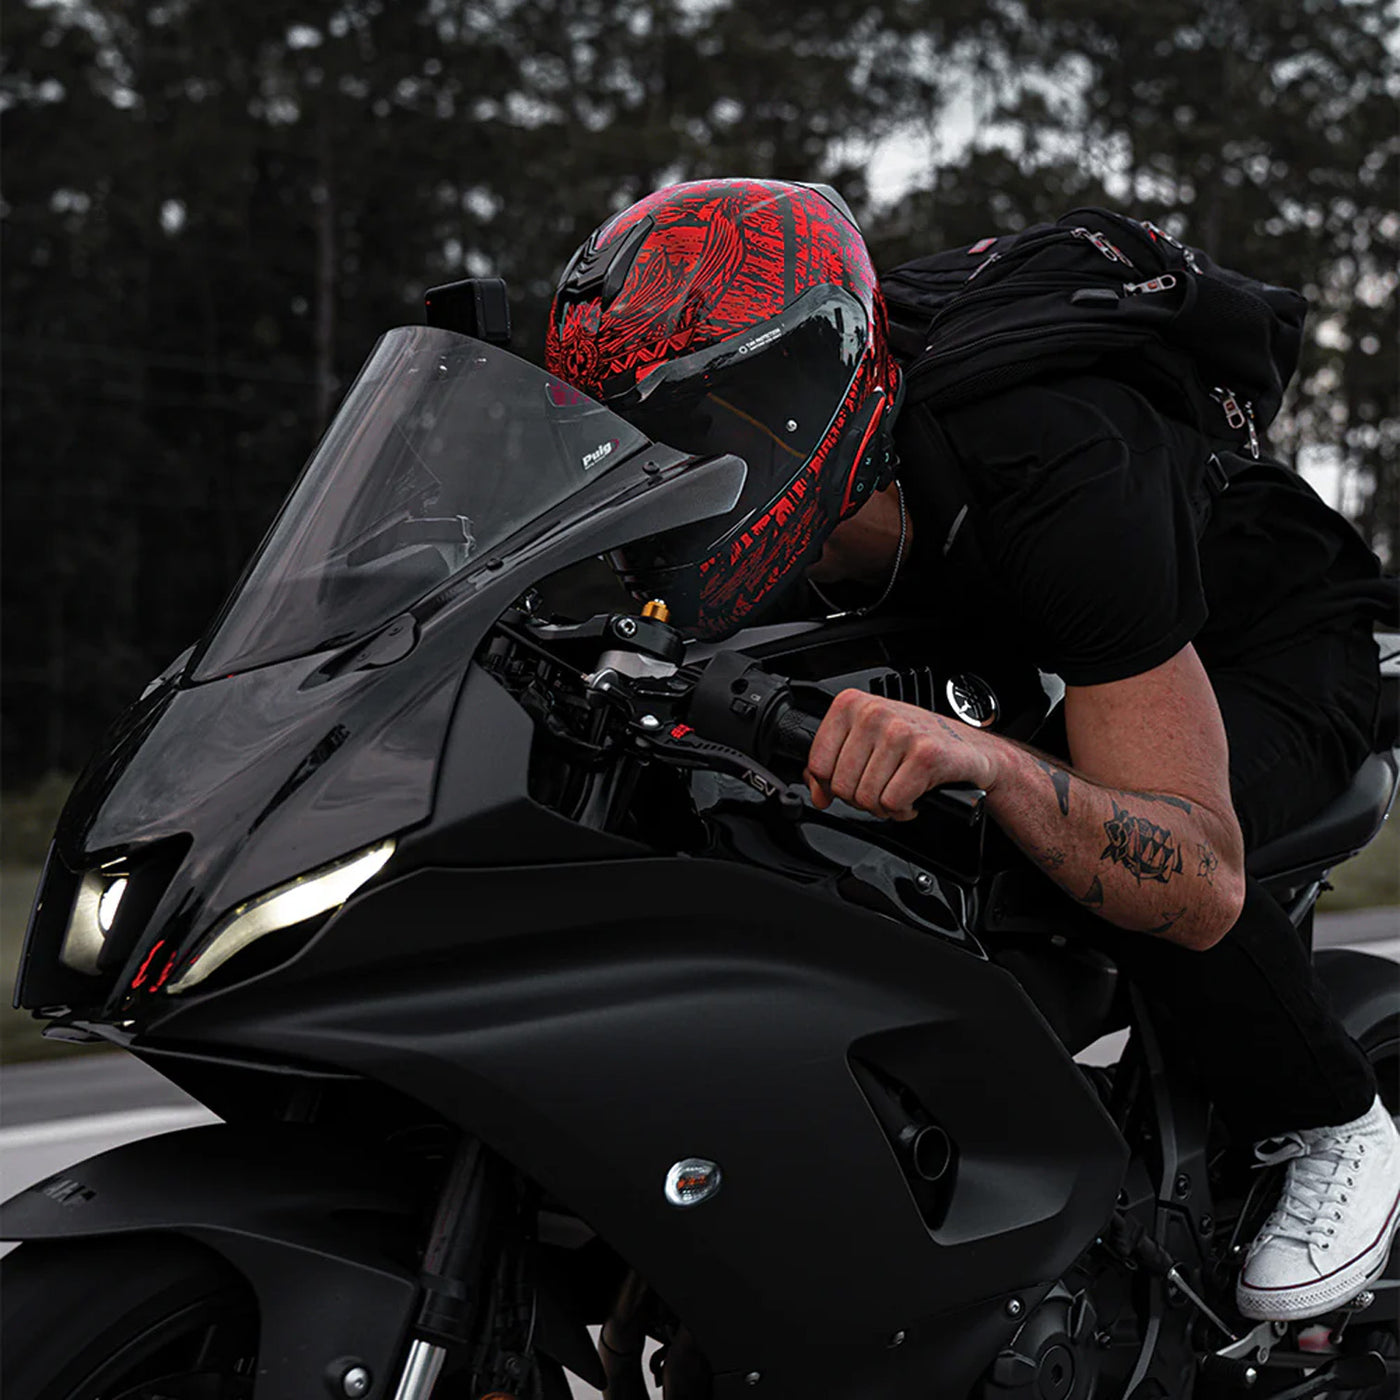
{"x":1052,"y":1357}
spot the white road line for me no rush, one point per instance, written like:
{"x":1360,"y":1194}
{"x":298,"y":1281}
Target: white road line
{"x":141,"y":1122}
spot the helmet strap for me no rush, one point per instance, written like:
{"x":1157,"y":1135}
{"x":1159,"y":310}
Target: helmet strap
{"x":890,"y":582}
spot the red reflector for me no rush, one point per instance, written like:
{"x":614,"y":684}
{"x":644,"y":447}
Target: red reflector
{"x":141,"y":972}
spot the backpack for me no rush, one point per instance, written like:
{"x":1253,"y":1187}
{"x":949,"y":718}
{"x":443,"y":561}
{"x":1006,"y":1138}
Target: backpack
{"x":1097,"y":290}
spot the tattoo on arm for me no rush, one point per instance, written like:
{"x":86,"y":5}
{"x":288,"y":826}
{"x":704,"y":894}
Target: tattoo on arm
{"x":1167,"y":921}
{"x":1179,"y":802}
{"x":1050,"y":857}
{"x":1092,"y":898}
{"x":1209,"y":862}
{"x":951,"y":730}
{"x":1144,"y":849}
{"x":1060,"y":781}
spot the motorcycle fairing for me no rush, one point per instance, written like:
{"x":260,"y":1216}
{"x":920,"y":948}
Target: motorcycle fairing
{"x":265,"y":773}
{"x":515,"y":1002}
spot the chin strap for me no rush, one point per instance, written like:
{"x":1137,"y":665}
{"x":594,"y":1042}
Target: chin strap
{"x":890,"y":582}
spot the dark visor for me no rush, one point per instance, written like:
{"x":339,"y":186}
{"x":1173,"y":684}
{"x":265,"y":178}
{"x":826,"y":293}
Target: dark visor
{"x":768,"y":396}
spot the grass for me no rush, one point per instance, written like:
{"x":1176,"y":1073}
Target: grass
{"x":27,"y":820}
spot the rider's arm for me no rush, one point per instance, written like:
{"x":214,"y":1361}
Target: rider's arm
{"x":1141,"y":829}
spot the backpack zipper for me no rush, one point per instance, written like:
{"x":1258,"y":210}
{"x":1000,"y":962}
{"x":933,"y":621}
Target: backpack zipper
{"x":1164,"y":283}
{"x":1188,"y":255}
{"x":1109,"y":250}
{"x":932,"y":359}
{"x":1240,"y":416}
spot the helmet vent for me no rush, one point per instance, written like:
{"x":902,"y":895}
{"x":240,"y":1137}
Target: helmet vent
{"x":602,"y":271}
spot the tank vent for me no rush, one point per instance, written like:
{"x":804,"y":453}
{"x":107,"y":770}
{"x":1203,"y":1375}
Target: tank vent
{"x":914,"y":686}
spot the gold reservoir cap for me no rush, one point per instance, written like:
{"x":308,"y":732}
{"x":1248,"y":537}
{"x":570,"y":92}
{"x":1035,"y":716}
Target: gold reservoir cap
{"x":657,"y":609}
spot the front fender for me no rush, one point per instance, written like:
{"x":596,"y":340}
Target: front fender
{"x":299,"y":1213}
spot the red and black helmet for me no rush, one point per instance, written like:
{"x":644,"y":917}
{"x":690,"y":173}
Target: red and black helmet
{"x":736,"y":316}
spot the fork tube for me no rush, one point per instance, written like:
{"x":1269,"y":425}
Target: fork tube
{"x":454,"y":1265}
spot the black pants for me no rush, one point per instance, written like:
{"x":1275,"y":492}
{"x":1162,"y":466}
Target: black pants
{"x":1249,"y":1012}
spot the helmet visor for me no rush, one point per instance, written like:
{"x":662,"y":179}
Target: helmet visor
{"x":768,"y":396}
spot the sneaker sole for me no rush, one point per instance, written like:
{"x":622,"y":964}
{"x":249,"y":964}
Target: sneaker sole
{"x":1288,"y":1304}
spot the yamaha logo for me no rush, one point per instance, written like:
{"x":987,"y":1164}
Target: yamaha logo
{"x":973,"y":700}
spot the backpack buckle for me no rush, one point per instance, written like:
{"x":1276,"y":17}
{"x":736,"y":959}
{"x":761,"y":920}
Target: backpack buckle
{"x":1217,"y":478}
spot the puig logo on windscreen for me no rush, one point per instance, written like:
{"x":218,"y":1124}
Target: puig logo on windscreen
{"x":599,"y":454}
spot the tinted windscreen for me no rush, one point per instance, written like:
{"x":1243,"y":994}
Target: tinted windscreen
{"x":443,"y":448}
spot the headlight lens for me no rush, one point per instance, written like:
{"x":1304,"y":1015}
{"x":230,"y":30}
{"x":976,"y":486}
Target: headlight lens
{"x":90,"y":920}
{"x":108,"y":904}
{"x":316,"y":892}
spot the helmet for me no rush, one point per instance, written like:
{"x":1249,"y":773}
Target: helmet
{"x":736,"y":316}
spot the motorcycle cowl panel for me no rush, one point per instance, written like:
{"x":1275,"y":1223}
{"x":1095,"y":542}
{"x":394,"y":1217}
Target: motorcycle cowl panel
{"x":599,"y":1023}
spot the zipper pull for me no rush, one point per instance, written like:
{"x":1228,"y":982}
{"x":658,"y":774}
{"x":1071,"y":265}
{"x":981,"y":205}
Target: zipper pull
{"x":1164,"y":283}
{"x":1102,"y":244}
{"x":985,"y":263}
{"x":1188,"y":255}
{"x":1239,"y":417}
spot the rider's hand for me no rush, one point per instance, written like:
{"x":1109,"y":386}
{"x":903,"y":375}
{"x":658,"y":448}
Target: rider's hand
{"x":883,"y":755}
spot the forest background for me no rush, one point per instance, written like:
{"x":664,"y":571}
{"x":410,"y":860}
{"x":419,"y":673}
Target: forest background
{"x":211,"y":210}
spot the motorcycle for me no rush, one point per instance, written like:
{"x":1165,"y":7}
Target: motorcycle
{"x":533,"y":994}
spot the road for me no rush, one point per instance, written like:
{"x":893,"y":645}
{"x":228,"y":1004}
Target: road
{"x":56,"y":1113}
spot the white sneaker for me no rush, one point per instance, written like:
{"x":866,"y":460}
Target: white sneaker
{"x":1330,"y":1234}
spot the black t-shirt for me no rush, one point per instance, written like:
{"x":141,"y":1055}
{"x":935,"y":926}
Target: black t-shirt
{"x":1091,"y":534}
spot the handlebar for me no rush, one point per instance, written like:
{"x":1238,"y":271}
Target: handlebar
{"x":738,"y":703}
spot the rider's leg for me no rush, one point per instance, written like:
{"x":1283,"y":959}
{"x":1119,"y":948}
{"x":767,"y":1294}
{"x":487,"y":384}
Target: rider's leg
{"x":1252,"y":1014}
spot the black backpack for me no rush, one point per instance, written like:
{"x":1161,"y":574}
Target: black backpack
{"x":1097,"y":290}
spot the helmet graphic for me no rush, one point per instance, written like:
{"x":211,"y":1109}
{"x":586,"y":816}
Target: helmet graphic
{"x":736,"y":316}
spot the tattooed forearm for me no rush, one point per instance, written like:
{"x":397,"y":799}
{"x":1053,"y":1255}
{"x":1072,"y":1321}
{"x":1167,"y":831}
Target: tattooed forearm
{"x":1118,"y":850}
{"x":1144,"y":849}
{"x":1060,"y":780}
{"x":1210,"y":862}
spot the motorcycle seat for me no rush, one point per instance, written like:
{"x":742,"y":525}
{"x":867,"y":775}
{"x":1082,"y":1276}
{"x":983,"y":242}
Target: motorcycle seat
{"x":1341,"y":829}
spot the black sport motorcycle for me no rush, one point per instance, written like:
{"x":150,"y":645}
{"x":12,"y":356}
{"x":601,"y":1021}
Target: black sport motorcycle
{"x":532,"y":992}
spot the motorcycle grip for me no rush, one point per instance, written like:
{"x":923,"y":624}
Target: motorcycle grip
{"x":792,"y":735}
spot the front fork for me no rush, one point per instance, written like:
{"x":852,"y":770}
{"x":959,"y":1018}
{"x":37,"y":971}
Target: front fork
{"x":457,"y":1274}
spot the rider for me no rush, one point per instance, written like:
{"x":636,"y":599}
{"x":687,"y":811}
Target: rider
{"x":1220,"y":684}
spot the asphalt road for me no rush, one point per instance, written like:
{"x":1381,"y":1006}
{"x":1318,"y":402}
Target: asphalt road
{"x":57,"y":1113}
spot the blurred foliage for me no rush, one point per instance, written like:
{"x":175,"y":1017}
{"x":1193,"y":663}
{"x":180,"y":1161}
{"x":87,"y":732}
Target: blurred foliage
{"x":28,"y":817}
{"x":210,"y":211}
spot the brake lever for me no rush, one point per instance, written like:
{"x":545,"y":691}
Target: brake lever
{"x":682,"y":746}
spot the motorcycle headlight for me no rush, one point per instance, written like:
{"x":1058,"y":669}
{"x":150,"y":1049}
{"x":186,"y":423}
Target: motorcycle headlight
{"x":317,"y":892}
{"x":91,"y":919}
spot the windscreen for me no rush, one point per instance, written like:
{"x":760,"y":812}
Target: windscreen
{"x":443,"y":448}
